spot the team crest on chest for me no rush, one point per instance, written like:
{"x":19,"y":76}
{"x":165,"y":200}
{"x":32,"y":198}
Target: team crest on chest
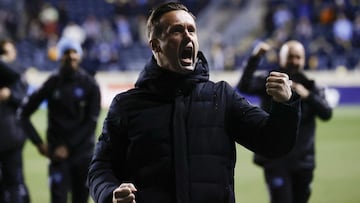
{"x":78,"y":92}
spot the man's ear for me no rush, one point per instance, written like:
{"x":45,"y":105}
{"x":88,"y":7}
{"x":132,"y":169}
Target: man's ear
{"x":155,"y":45}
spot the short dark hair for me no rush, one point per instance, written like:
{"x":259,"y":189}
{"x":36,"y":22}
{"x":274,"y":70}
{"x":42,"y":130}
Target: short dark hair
{"x":153,"y":23}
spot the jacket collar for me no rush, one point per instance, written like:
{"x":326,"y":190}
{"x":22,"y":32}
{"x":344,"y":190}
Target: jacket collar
{"x":159,"y":79}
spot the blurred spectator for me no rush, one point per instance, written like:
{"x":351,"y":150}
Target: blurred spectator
{"x":141,"y":19}
{"x":107,"y":56}
{"x":268,"y":22}
{"x":123,"y":31}
{"x":326,"y":14}
{"x":74,"y":32}
{"x":321,"y":51}
{"x":282,"y":16}
{"x":356,"y":31}
{"x":35,"y":32}
{"x":91,"y":27}
{"x":343,"y":31}
{"x":107,"y":32}
{"x":217,"y":54}
{"x":63,"y":15}
{"x":49,"y":17}
{"x":304,"y":30}
{"x":8,"y":24}
{"x":304,"y":10}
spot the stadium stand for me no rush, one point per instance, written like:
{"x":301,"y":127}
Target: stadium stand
{"x":114,"y":30}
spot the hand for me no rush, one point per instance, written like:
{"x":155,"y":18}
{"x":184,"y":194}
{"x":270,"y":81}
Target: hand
{"x":260,"y":49}
{"x":4,"y":94}
{"x":61,"y":152}
{"x":43,"y":149}
{"x":124,"y":193}
{"x":278,"y":86}
{"x":300,"y":90}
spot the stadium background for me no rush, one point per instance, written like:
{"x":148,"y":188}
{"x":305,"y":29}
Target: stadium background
{"x":112,"y":35}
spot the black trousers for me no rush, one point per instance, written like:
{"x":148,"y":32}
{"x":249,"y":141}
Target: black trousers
{"x":69,"y":178}
{"x":12,"y":185}
{"x":288,"y":185}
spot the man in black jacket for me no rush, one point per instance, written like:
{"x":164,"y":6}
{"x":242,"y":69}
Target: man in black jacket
{"x":289,"y":177}
{"x":73,"y":101}
{"x":171,"y":139}
{"x":13,"y":89}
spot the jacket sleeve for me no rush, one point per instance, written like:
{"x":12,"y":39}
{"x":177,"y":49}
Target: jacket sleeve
{"x":7,"y":75}
{"x":319,"y":104}
{"x":101,"y":179}
{"x":270,"y":135}
{"x":18,"y":92}
{"x":106,"y":171}
{"x":30,"y":105}
{"x":249,"y":84}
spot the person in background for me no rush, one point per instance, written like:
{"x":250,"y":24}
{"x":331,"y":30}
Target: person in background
{"x":289,"y":178}
{"x":12,"y":184}
{"x":73,"y":104}
{"x":171,"y":139}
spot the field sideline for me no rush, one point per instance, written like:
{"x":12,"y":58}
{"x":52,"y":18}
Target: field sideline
{"x":337,"y":176}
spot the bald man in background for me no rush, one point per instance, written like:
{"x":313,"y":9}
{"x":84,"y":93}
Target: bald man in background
{"x":289,"y":178}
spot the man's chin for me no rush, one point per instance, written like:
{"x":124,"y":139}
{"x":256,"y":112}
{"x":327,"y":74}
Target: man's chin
{"x":186,"y":65}
{"x":188,"y":68}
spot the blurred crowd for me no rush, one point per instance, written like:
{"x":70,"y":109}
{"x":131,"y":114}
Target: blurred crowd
{"x":329,"y":30}
{"x":112,"y":32}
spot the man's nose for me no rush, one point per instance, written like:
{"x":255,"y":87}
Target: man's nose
{"x":72,"y":54}
{"x":187,"y":34}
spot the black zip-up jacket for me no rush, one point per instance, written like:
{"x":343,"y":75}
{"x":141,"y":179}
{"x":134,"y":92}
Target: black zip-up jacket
{"x":174,"y":136}
{"x":73,"y":103}
{"x":8,"y":75}
{"x":303,"y":154}
{"x":11,"y":135}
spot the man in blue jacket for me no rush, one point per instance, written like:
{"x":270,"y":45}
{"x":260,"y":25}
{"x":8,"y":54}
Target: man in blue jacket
{"x":171,"y":139}
{"x":73,"y":102}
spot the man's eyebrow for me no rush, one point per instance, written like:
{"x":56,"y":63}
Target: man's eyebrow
{"x":178,"y":25}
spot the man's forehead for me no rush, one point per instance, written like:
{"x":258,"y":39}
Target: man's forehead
{"x":296,"y":50}
{"x":177,"y":16}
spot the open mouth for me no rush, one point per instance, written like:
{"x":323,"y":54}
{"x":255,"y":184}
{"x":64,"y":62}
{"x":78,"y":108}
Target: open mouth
{"x":186,"y":56}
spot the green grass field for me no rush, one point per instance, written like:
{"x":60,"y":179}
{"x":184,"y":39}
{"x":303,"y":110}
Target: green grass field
{"x":337,"y":176}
